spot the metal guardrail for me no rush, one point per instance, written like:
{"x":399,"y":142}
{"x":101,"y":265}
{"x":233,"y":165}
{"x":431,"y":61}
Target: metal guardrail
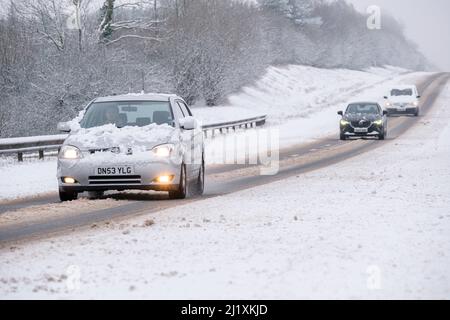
{"x":42,"y":144}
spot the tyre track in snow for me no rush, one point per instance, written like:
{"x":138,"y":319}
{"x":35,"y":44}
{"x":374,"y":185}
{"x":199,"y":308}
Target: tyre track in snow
{"x":220,"y":180}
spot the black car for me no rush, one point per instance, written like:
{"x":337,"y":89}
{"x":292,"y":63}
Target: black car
{"x":363,"y":119}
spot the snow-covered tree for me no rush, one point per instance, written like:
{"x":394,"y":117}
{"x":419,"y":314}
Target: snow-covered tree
{"x":299,"y":11}
{"x":106,"y":16}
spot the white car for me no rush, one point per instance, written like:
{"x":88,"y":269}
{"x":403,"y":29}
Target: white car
{"x":403,"y":100}
{"x":133,"y":141}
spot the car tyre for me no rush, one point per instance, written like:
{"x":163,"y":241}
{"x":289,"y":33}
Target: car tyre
{"x":343,"y":137}
{"x":382,"y":136}
{"x":67,"y":196}
{"x":416,"y":114}
{"x":182,"y":191}
{"x":200,"y":183}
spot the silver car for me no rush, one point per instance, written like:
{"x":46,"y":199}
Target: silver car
{"x":133,"y":141}
{"x":403,"y":100}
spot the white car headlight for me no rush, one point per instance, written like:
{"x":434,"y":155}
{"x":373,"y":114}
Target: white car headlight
{"x":70,"y":153}
{"x":163,"y":150}
{"x":415,"y":104}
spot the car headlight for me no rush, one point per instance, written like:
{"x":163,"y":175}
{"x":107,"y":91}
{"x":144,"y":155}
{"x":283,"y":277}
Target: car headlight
{"x":70,"y":153}
{"x":388,"y":104}
{"x":344,"y":122}
{"x":378,"y":122}
{"x":164,"y":150}
{"x":415,"y":104}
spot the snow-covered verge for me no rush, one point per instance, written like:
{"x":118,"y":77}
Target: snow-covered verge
{"x":29,"y":178}
{"x":296,"y":91}
{"x":375,"y":226}
{"x":300,"y":101}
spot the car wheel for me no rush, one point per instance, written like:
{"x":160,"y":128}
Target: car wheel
{"x":343,"y":137}
{"x":182,"y":191}
{"x":67,"y":196}
{"x":381,"y":136}
{"x":417,"y":113}
{"x":200,"y":183}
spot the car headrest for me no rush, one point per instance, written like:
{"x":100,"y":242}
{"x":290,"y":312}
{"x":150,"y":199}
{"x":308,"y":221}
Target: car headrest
{"x":142,"y":122}
{"x":161,"y":117}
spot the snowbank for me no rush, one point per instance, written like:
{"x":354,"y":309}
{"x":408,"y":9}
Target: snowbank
{"x":297,"y":91}
{"x":27,"y":178}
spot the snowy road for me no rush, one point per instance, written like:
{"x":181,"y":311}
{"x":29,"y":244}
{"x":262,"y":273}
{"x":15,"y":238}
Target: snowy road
{"x":24,"y":223}
{"x":372,"y":226}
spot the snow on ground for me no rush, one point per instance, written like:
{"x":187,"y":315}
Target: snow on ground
{"x":375,"y":226}
{"x":27,"y":178}
{"x":300,"y":101}
{"x":296,"y":91}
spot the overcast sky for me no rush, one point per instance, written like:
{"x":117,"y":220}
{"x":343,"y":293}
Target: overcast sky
{"x":427,"y":23}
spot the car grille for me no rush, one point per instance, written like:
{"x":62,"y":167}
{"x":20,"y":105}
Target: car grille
{"x":361,"y":124}
{"x":92,"y":151}
{"x":114,"y":180}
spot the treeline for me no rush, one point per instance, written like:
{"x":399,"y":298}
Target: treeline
{"x":55,"y":55}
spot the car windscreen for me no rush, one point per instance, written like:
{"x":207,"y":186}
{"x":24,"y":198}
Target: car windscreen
{"x":127,"y":113}
{"x":362,"y":108}
{"x":400,"y":92}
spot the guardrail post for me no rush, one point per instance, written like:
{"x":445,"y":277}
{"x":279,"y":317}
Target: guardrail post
{"x":20,"y":156}
{"x":41,"y":154}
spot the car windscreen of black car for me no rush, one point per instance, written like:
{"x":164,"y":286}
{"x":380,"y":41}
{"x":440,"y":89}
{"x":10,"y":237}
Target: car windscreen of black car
{"x":363,"y":109}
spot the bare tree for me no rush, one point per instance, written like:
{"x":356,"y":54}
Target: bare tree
{"x":50,"y":19}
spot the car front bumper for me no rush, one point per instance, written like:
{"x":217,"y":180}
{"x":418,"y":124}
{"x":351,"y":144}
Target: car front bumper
{"x":373,"y":130}
{"x":402,"y":111}
{"x":143,"y":177}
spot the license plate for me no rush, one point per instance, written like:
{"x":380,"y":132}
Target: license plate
{"x":361,"y":130}
{"x":114,"y":171}
{"x":401,"y":109}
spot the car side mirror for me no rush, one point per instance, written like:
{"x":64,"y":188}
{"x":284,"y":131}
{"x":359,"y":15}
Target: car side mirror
{"x":64,"y":127}
{"x":385,"y":97}
{"x":188,"y":123}
{"x":385,"y":112}
{"x":418,"y":97}
{"x":340,"y":113}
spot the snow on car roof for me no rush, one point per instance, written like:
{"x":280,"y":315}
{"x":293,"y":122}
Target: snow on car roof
{"x":137,"y":97}
{"x":404,"y":86}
